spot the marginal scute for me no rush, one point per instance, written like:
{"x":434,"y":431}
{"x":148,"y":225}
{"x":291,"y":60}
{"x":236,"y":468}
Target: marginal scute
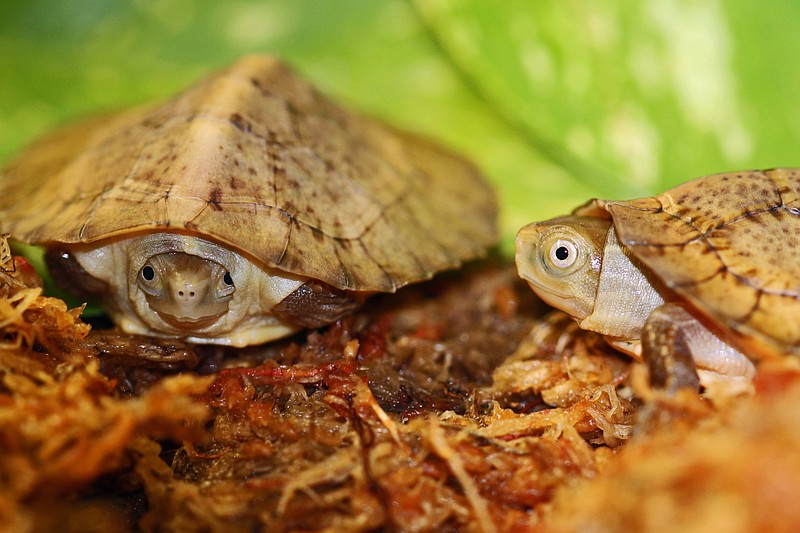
{"x":728,"y":243}
{"x":255,"y":158}
{"x":787,"y":181}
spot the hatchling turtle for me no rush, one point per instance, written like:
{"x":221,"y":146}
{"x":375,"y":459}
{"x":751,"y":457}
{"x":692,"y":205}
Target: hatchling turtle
{"x":705,"y":275}
{"x":243,"y":209}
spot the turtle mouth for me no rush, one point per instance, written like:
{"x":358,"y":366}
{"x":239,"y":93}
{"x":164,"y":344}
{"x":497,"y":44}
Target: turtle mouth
{"x":560,"y":299}
{"x":528,"y":273}
{"x":188,"y":323}
{"x":548,"y":294}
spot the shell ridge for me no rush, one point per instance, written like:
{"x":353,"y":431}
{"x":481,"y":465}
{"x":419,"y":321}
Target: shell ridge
{"x":277,"y":163}
{"x":341,"y":122}
{"x":738,"y":323}
{"x":746,"y":215}
{"x":347,"y":282}
{"x":392,"y":281}
{"x":365,"y":192}
{"x":777,"y":191}
{"x":292,"y":222}
{"x":189,"y":224}
{"x":609,"y":206}
{"x":701,"y":236}
{"x":338,"y":242}
{"x":452,"y":260}
{"x":90,"y":210}
{"x":399,"y":200}
{"x":755,"y":307}
{"x":789,"y":293}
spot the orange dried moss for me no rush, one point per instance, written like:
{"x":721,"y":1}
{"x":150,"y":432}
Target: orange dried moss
{"x":61,"y":424}
{"x":441,"y":407}
{"x":385,"y":423}
{"x":704,"y":470}
{"x":450,"y":406}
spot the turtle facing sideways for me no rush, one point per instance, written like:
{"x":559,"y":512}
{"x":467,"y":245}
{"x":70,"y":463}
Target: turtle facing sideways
{"x":243,"y":209}
{"x":705,"y":276}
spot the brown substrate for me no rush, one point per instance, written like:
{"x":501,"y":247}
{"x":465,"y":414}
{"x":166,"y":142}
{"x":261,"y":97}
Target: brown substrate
{"x":456,"y":405}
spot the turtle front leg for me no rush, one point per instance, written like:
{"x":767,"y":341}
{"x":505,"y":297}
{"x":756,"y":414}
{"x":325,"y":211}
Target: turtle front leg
{"x":315,"y":304}
{"x":666,"y":351}
{"x":682,"y":352}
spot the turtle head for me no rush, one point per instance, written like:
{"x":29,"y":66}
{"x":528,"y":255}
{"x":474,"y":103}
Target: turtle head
{"x":183,"y":286}
{"x":187,"y":291}
{"x":561,"y":259}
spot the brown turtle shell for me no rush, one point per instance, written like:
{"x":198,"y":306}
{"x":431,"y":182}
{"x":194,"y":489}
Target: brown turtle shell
{"x":255,"y":158}
{"x":727,"y":243}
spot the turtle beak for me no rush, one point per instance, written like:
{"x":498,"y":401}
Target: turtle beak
{"x":526,"y":257}
{"x":188,"y":324}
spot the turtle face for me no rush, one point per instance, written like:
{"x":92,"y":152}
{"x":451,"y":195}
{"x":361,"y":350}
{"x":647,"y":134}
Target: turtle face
{"x":188,"y":292}
{"x":183,"y":286}
{"x":561,"y":259}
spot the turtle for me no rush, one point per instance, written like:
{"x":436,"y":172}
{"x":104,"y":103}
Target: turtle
{"x":700,"y":281}
{"x":243,"y":209}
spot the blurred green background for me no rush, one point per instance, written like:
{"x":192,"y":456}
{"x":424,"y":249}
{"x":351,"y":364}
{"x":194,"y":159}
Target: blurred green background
{"x":557,"y":100}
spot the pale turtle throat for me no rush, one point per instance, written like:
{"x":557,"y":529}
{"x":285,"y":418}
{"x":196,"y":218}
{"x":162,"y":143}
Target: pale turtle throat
{"x":188,"y":292}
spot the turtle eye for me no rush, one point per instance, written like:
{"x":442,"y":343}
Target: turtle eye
{"x":149,"y":280}
{"x":563,"y":254}
{"x":148,"y":273}
{"x":225,"y":286}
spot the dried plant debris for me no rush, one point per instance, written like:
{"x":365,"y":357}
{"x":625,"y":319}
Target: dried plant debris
{"x":61,"y":426}
{"x":735,"y":471}
{"x":457,"y":405}
{"x":388,"y":419}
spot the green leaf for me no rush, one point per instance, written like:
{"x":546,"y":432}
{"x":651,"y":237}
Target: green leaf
{"x":632,"y":96}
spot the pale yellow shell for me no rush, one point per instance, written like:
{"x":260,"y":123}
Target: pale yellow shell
{"x":254,"y":158}
{"x":729,"y":244}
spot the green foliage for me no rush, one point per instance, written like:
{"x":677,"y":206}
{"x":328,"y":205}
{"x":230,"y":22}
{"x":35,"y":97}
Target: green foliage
{"x":558,"y":100}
